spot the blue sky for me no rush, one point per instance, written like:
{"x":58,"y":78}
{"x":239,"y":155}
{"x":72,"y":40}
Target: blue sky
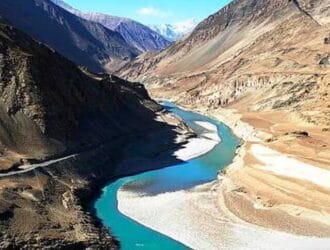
{"x":153,"y":11}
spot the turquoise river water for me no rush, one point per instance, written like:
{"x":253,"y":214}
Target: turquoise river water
{"x":203,"y":169}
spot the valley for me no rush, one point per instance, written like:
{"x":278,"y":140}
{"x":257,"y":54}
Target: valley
{"x":261,"y":68}
{"x":59,"y":144}
{"x":112,"y":136}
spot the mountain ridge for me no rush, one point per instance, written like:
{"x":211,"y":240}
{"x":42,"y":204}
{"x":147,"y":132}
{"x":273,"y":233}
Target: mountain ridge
{"x":228,"y":37}
{"x":34,"y":89}
{"x":84,"y":42}
{"x":136,"y":34}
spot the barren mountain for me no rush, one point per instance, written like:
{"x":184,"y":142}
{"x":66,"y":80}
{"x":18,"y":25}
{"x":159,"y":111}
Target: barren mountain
{"x":63,"y":131}
{"x":45,"y":100}
{"x":274,"y":45}
{"x":84,"y":42}
{"x":135,"y":34}
{"x":263,"y":67}
{"x":138,"y":35}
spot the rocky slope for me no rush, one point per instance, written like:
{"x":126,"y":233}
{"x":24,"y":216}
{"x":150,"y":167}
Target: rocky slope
{"x":136,"y":34}
{"x":50,"y":109}
{"x":84,"y":42}
{"x":46,"y":98}
{"x":274,"y":45}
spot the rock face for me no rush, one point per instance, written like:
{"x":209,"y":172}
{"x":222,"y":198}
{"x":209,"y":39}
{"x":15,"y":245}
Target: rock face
{"x":269,"y":46}
{"x":135,"y":34}
{"x":84,"y":42}
{"x":46,"y":99}
{"x":49,"y":108}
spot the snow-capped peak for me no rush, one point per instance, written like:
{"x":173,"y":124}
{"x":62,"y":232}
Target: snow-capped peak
{"x":175,"y":31}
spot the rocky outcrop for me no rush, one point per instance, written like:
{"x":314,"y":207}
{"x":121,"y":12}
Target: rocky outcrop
{"x":86,"y":43}
{"x":327,"y":40}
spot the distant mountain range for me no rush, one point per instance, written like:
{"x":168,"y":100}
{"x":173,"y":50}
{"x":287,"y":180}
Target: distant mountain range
{"x":173,"y":32}
{"x":136,"y":34}
{"x":84,"y":42}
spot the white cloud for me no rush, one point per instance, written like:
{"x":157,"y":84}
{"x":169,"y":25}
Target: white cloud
{"x":185,"y":26}
{"x":153,"y":12}
{"x":176,"y":30}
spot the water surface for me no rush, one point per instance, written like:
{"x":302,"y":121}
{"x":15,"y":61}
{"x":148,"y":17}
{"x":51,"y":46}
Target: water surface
{"x":133,"y":235}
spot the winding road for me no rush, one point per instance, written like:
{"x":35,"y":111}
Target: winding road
{"x":31,"y":167}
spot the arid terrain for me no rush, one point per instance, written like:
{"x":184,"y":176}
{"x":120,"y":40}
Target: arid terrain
{"x":262,"y":67}
{"x":63,"y":132}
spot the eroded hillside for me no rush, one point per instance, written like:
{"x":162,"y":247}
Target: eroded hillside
{"x":63,"y":132}
{"x":271,"y":46}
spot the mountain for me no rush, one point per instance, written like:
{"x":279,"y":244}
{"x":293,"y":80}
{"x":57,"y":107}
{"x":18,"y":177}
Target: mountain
{"x":84,"y":42}
{"x":173,"y":32}
{"x":245,"y":45}
{"x":50,"y":98}
{"x":136,"y":34}
{"x":49,"y":106}
{"x":63,"y":132}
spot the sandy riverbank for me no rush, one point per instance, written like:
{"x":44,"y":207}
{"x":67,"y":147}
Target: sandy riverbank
{"x":200,"y":145}
{"x":226,"y":213}
{"x":193,"y":218}
{"x":280,"y":180}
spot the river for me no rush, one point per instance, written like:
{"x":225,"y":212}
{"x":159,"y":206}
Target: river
{"x":200,"y":170}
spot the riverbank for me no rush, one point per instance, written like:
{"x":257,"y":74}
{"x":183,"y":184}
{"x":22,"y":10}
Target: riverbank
{"x":199,"y":145}
{"x":226,"y":213}
{"x":280,"y":178}
{"x":176,"y":176}
{"x":155,"y":207}
{"x":54,"y":199}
